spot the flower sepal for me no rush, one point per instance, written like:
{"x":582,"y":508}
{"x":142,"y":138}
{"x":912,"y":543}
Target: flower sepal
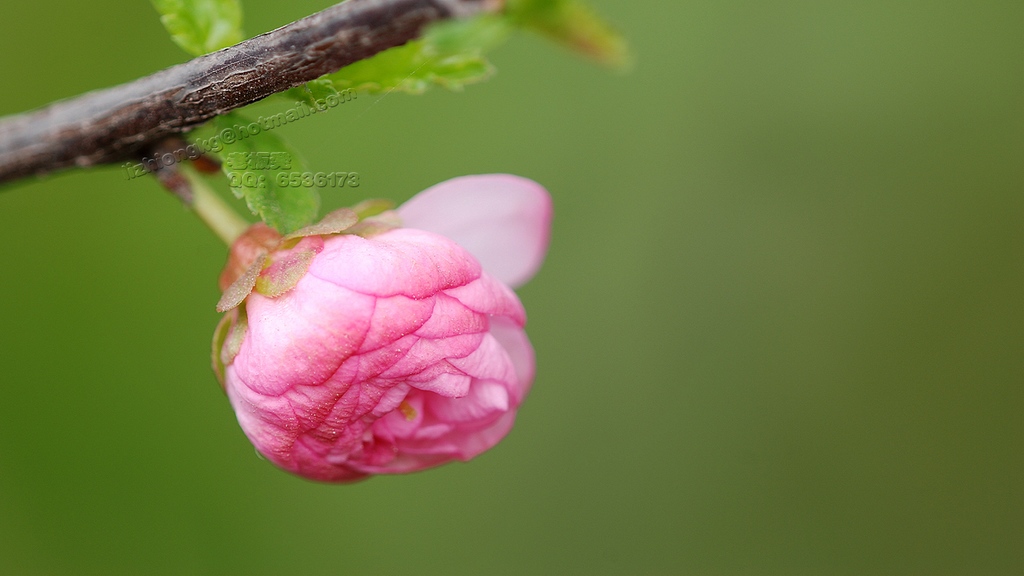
{"x":263,"y":260}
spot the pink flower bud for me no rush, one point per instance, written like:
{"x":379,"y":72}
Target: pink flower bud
{"x":385,"y":349}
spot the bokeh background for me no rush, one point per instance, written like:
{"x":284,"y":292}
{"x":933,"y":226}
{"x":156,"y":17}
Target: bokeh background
{"x":780,"y":329}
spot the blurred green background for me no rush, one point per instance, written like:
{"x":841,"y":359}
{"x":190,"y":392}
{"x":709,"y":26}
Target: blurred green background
{"x":780,"y":329}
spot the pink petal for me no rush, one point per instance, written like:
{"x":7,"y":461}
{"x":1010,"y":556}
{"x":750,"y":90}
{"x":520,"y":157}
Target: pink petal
{"x":513,"y":339}
{"x":462,"y":443}
{"x":301,"y":337}
{"x":488,"y":362}
{"x":485,"y":399}
{"x":412,"y":263}
{"x":397,"y":423}
{"x":395,"y":318}
{"x":480,"y":441}
{"x":443,"y":380}
{"x":449,"y":317}
{"x":487,"y":295}
{"x":503,"y":220}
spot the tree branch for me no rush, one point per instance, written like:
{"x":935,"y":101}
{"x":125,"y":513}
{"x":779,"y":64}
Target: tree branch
{"x":122,"y":122}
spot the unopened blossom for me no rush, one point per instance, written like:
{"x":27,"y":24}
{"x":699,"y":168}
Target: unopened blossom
{"x":387,"y":345}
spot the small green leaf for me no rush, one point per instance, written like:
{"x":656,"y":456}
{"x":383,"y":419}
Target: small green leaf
{"x":202,"y":26}
{"x":412,"y":69}
{"x":573,"y":23}
{"x":450,"y":55}
{"x":480,"y":34}
{"x":310,"y":92}
{"x":259,"y":165}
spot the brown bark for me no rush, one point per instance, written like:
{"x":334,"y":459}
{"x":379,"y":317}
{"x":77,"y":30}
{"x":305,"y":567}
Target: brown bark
{"x":123,"y":122}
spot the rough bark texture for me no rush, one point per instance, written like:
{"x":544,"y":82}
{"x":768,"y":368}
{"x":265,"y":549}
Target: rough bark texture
{"x":121,"y":123}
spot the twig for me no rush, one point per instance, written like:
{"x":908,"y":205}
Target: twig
{"x":121,"y":123}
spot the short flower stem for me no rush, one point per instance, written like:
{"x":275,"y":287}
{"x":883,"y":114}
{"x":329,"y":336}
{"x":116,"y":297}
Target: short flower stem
{"x":214,"y":212}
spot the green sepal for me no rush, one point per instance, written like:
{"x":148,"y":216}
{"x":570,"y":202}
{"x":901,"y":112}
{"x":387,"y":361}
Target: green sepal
{"x":333,"y":223}
{"x":374,"y":225}
{"x":227,"y":340}
{"x":202,"y":26}
{"x":242,"y":287}
{"x":220,"y":334}
{"x":284,"y":274}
